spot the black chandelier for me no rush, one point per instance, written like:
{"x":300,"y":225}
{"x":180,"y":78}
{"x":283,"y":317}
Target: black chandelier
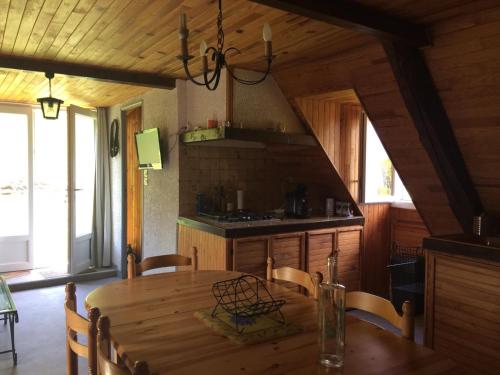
{"x":219,"y":55}
{"x":50,"y":106}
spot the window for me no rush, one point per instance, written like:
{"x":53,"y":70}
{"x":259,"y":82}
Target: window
{"x":381,"y":181}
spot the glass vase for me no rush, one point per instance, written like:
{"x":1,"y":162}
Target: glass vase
{"x":331,"y":318}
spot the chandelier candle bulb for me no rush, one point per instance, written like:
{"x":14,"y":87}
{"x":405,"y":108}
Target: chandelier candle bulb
{"x":267,"y":33}
{"x":203,"y":48}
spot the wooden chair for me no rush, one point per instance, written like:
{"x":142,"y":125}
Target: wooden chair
{"x":310,"y":281}
{"x":77,"y":324}
{"x":384,"y":308}
{"x":135,"y":268}
{"x":106,"y":366}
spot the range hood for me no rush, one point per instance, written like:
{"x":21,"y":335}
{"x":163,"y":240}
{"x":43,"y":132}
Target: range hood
{"x":248,"y":138}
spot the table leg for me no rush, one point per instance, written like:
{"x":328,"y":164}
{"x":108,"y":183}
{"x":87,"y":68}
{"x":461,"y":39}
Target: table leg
{"x":12,"y":338}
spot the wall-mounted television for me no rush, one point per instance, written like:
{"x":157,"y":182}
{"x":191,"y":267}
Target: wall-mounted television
{"x":147,"y":144}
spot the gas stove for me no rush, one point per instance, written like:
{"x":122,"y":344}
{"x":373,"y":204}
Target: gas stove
{"x":237,"y":217}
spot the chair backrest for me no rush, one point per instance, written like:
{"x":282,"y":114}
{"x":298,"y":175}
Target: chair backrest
{"x":135,"y":268}
{"x":77,"y":324}
{"x":383,"y":308}
{"x":106,"y":366}
{"x":310,"y":281}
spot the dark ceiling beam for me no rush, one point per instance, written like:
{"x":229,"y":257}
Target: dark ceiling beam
{"x":435,"y":130}
{"x":88,"y":71}
{"x":350,"y":15}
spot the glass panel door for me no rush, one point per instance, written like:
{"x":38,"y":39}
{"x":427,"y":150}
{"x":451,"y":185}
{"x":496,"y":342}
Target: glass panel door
{"x":50,"y":198}
{"x":81,"y":185}
{"x":16,"y":250}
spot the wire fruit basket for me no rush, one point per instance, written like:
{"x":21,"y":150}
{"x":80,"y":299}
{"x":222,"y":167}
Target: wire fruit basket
{"x":244,"y":299}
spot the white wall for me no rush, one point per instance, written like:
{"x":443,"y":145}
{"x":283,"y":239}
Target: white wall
{"x":161,"y":195}
{"x":262,"y":106}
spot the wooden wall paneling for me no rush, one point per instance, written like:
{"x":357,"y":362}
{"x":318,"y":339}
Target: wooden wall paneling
{"x":336,"y":125}
{"x":435,"y":130}
{"x":368,"y":72}
{"x":250,"y":255}
{"x":214,"y":252}
{"x":407,"y":227}
{"x":465,"y":311}
{"x":376,"y":248}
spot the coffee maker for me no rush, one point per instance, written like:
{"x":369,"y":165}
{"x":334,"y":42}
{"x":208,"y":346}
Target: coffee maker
{"x":296,"y":204}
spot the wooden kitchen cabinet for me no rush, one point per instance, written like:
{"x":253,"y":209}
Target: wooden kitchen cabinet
{"x":462,"y":310}
{"x":250,"y":255}
{"x":307,"y":251}
{"x":347,"y":240}
{"x":320,"y":244}
{"x":213,"y":252}
{"x":349,"y":246}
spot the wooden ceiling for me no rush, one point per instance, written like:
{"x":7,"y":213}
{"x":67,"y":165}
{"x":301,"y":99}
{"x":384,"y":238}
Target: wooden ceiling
{"x":143,"y":36}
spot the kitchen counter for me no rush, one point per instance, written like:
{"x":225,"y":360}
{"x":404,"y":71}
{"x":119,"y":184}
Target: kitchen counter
{"x":487,"y":248}
{"x":264,"y":227}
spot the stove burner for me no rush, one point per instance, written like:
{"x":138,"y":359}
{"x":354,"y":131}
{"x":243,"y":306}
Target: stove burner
{"x":237,"y":217}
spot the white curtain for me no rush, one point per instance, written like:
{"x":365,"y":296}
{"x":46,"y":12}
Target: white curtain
{"x":101,"y":235}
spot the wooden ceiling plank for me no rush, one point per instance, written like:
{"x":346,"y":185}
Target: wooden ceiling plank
{"x":86,"y":24}
{"x":356,"y":17}
{"x":113,"y":12}
{"x":88,"y":71}
{"x":17,"y":92}
{"x":435,"y":130}
{"x":48,"y":25}
{"x":30,"y":16}
{"x":71,"y":23}
{"x":4,"y":4}
{"x":14,"y":17}
{"x":104,"y":47}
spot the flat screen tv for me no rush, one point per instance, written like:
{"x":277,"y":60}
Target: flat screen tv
{"x":148,"y":149}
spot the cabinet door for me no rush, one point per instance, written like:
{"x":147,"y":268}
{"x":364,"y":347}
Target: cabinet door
{"x":288,"y":250}
{"x":349,"y":244}
{"x":250,"y":255}
{"x":320,"y":244}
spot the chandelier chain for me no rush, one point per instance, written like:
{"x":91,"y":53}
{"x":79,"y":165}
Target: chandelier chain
{"x":220,"y":31}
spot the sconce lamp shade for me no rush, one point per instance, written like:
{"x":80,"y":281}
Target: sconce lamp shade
{"x":50,"y":107}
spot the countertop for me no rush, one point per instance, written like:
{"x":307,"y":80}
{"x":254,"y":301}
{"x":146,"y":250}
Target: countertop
{"x":487,"y":247}
{"x":263,"y":227}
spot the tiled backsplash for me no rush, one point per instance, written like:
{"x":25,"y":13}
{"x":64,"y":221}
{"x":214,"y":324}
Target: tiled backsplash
{"x":253,"y":170}
{"x":264,"y":174}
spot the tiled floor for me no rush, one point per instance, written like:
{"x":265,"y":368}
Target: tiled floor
{"x":40,"y":331}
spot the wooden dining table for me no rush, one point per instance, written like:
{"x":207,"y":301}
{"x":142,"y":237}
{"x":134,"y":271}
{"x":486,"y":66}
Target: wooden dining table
{"x":152,"y":319}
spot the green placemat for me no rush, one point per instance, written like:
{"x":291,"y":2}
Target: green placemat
{"x":263,"y":329}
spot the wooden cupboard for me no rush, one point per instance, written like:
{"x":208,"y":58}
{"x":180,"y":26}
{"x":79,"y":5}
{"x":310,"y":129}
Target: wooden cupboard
{"x":307,"y":251}
{"x":462,"y":310}
{"x":347,"y":241}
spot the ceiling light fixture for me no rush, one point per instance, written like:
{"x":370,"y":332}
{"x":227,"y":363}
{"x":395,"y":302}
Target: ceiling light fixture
{"x":50,"y":106}
{"x":218,"y":54}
